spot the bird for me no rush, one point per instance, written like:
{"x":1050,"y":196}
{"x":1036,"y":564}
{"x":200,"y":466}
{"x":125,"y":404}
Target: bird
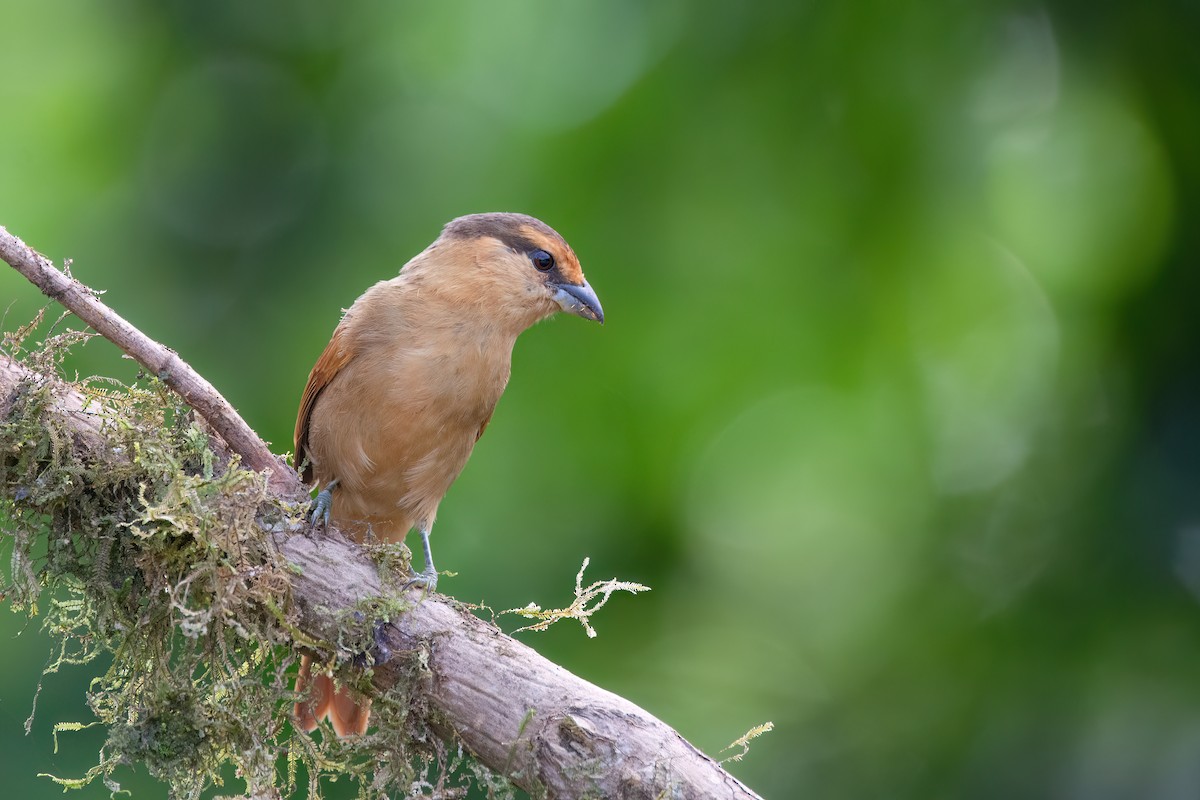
{"x":394,"y":405}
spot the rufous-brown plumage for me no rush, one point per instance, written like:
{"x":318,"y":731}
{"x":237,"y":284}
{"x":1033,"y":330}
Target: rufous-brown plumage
{"x":407,"y":385}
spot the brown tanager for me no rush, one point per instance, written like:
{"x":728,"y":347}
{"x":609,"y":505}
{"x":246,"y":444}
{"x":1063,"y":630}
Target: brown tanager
{"x":407,"y":385}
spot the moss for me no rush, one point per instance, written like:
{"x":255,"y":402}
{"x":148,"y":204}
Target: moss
{"x":154,"y":552}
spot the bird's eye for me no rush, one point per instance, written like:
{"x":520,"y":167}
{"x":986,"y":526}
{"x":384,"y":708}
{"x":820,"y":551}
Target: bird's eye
{"x":542,"y":260}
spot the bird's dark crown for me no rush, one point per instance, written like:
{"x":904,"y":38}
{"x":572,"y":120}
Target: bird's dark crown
{"x":521,"y":233}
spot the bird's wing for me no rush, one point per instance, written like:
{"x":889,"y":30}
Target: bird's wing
{"x":483,"y":425}
{"x":337,"y":354}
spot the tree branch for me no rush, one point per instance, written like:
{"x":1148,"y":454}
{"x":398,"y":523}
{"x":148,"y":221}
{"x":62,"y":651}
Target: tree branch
{"x":159,"y":360}
{"x":549,"y":731}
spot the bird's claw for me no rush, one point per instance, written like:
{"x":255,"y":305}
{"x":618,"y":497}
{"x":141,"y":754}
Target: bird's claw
{"x":427,"y":579}
{"x":322,"y":505}
{"x":320,"y":508}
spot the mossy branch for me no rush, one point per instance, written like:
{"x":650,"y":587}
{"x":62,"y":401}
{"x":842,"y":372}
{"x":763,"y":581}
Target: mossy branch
{"x":162,"y":362}
{"x":203,"y":576}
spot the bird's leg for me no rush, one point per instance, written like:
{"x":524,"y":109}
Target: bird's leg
{"x":429,"y":577}
{"x":323,"y":503}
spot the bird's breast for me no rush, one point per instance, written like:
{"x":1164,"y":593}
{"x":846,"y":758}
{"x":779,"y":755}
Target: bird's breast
{"x":398,"y":425}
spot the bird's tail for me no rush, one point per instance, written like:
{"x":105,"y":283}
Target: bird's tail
{"x":346,"y":709}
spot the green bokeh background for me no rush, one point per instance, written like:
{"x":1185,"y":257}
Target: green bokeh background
{"x":896,"y":405}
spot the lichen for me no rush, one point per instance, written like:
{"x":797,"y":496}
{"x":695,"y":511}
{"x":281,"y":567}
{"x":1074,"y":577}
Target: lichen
{"x":597,"y":593}
{"x":153,"y":552}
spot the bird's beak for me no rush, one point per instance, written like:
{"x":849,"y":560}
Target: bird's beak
{"x":580,"y":300}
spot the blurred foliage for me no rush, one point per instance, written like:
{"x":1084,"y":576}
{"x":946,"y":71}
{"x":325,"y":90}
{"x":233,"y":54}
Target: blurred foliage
{"x":896,"y":404}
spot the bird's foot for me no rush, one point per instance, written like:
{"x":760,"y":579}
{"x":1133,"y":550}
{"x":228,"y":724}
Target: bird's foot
{"x":322,"y":505}
{"x":426,"y":579}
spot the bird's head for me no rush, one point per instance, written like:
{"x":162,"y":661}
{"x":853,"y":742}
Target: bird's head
{"x":514,"y":267}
